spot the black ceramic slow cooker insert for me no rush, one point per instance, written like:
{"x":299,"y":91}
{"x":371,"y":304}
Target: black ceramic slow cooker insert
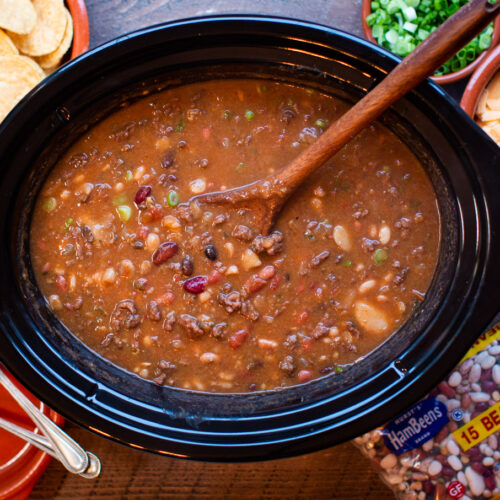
{"x":462,"y":163}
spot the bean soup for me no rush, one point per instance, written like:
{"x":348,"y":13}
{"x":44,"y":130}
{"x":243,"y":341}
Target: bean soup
{"x":189,"y":295}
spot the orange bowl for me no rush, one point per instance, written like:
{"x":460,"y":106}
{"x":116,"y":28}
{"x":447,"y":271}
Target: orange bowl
{"x":479,"y":80}
{"x":450,"y":77}
{"x":21,"y":464}
{"x":80,"y":27}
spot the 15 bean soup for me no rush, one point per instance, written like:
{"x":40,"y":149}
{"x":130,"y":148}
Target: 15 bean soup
{"x":188,"y":295}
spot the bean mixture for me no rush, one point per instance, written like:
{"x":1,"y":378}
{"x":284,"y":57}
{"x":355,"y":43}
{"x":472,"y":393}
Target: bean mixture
{"x":188,"y":294}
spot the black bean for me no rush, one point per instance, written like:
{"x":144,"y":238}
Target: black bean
{"x":211,"y":252}
{"x":187,"y":266}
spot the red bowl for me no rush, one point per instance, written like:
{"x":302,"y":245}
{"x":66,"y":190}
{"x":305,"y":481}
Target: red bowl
{"x":479,"y":80}
{"x":80,"y":27}
{"x":450,"y":77}
{"x":21,"y":464}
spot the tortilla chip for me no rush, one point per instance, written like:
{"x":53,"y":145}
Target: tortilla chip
{"x":18,"y":75}
{"x":7,"y":46}
{"x":18,"y":16}
{"x":55,"y":58}
{"x":48,"y":32}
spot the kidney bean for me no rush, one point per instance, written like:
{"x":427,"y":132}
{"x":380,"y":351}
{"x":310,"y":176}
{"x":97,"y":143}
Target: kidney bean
{"x":489,"y":480}
{"x":447,"y":472}
{"x":485,"y":375}
{"x":237,"y":339}
{"x":428,"y":487}
{"x":164,"y":252}
{"x":266,"y":273}
{"x":187,"y":266}
{"x":478,"y":467}
{"x":142,"y":193}
{"x":489,"y":386}
{"x":196,"y":285}
{"x":447,"y":390}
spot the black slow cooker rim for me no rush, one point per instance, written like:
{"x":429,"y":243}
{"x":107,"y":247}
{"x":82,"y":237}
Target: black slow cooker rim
{"x":28,"y":366}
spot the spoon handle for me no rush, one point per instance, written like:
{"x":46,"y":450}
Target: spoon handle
{"x":435,"y":50}
{"x":68,"y":451}
{"x":43,"y":444}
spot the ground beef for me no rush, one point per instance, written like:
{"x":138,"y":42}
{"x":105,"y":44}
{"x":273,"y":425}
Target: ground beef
{"x":191,"y":325}
{"x":287,"y":365}
{"x":231,"y":301}
{"x":219,"y":330}
{"x":183,"y":212}
{"x":169,"y":321}
{"x":87,"y":234}
{"x":272,"y":244}
{"x":75,"y":305}
{"x":83,"y":248}
{"x":242,"y":232}
{"x":248,"y":311}
{"x":124,"y":132}
{"x":369,"y":245}
{"x":401,"y":276}
{"x":318,"y":259}
{"x":124,"y":315}
{"x":320,"y":330}
{"x":219,"y":219}
{"x":153,"y":311}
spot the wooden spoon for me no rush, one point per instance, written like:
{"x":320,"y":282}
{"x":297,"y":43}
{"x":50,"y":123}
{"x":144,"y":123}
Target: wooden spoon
{"x":265,"y":198}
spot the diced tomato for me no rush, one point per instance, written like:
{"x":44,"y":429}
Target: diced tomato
{"x":205,"y":133}
{"x":214,"y":277}
{"x":300,"y":288}
{"x":275,"y":282}
{"x":166,"y":298}
{"x":304,"y":376}
{"x":237,"y":339}
{"x":61,"y":283}
{"x":143,"y":232}
{"x":156,"y":213}
{"x":301,"y":318}
{"x":306,"y":343}
{"x":254,"y":284}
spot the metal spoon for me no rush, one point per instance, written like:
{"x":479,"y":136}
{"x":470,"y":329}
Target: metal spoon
{"x":264,"y":199}
{"x":67,"y":451}
{"x":41,"y":442}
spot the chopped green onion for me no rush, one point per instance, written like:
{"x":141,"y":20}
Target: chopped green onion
{"x":338,"y":369}
{"x":380,"y":256}
{"x":320,"y":123}
{"x":128,"y":175}
{"x":180,"y":125}
{"x":347,"y":263}
{"x":173,"y":198}
{"x":50,"y":204}
{"x":239,"y":167}
{"x":249,"y":115}
{"x":400,"y":25}
{"x":124,"y":212}
{"x":120,"y":199}
{"x":68,"y":223}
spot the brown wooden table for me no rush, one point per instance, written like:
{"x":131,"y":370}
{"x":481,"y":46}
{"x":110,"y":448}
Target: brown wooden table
{"x":339,"y":472}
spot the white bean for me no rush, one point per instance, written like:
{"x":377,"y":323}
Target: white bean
{"x":389,"y":461}
{"x":342,"y":238}
{"x":198,"y":186}
{"x":366,"y":286}
{"x":487,"y":362}
{"x":371,"y":318}
{"x":109,"y":276}
{"x":455,"y":379}
{"x":384,"y":234}
{"x":152,"y":241}
{"x":475,"y":480}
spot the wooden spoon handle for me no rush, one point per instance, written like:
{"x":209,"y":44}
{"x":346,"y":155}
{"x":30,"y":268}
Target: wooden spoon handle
{"x":448,"y":39}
